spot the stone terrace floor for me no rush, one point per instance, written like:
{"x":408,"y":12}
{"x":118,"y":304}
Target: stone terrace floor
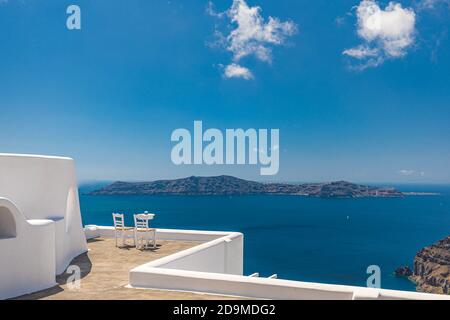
{"x":105,"y":273}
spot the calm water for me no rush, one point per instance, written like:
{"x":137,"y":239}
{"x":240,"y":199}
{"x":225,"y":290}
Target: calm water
{"x":307,"y":239}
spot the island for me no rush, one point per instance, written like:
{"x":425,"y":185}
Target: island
{"x":229,"y":185}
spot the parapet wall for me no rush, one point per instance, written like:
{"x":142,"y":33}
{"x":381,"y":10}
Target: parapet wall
{"x":215,"y":267}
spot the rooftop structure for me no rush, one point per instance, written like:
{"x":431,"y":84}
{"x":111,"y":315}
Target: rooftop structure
{"x":40,"y":221}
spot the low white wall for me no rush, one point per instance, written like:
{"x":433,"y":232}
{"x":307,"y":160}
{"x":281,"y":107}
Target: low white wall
{"x":216,"y":267}
{"x":220,"y":252}
{"x":260,"y":288}
{"x":93,"y":231}
{"x":234,"y":285}
{"x":222,"y":255}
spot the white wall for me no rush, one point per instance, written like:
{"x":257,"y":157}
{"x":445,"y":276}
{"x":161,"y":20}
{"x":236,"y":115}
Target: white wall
{"x":44,"y":187}
{"x":93,"y":231}
{"x":27,"y":262}
{"x":221,"y":252}
{"x":221,"y":255}
{"x":40,"y":195}
{"x":215,"y":266}
{"x":260,"y":288}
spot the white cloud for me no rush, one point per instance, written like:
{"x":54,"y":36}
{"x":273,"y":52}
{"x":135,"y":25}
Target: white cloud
{"x":362,"y":51}
{"x":409,"y":173}
{"x":428,"y":4}
{"x":250,"y":34}
{"x":234,"y":70}
{"x":431,"y":4}
{"x":406,"y":172}
{"x":386,"y":34}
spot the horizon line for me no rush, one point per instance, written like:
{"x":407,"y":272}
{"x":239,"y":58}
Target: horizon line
{"x":86,"y":181}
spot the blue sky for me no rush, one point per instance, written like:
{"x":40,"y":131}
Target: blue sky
{"x":110,"y":94}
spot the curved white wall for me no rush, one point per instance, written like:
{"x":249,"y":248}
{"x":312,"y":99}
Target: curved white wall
{"x":27,"y":262}
{"x":44,"y":187}
{"x":41,"y":195}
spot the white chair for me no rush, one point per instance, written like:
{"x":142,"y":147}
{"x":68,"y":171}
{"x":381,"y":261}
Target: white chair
{"x":142,"y":231}
{"x":120,"y":230}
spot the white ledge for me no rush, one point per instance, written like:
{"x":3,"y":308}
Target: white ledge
{"x":216,"y":267}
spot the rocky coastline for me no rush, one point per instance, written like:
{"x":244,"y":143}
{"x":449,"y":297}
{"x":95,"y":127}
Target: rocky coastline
{"x":432,"y":268}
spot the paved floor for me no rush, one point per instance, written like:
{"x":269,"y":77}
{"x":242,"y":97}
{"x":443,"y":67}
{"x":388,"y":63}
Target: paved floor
{"x":104,"y":274}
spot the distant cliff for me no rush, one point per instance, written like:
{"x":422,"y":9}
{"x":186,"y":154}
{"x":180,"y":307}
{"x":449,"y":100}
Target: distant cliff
{"x":432,"y":268}
{"x":228,"y":185}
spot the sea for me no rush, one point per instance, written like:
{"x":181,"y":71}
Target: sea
{"x":303,"y":238}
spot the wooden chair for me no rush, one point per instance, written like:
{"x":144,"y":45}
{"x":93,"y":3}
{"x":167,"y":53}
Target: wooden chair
{"x":120,"y":230}
{"x":142,"y":231}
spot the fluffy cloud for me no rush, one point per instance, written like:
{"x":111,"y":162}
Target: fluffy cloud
{"x":386,"y":34}
{"x":250,"y":34}
{"x":234,"y":70}
{"x":253,"y":36}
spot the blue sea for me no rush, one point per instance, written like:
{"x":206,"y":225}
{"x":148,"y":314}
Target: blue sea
{"x":301,"y":238}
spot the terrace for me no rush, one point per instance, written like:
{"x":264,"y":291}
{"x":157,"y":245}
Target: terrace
{"x":41,"y":235}
{"x":105,"y":274}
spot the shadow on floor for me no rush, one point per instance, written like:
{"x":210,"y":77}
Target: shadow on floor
{"x":82,"y":261}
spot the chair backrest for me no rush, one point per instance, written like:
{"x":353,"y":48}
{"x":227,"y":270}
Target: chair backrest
{"x":141,"y":221}
{"x":119,"y":220}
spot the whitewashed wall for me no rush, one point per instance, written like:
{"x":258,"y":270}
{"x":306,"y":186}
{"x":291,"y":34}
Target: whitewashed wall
{"x":221,"y":255}
{"x":215,"y":266}
{"x":42,"y":194}
{"x":221,"y":252}
{"x":261,"y":288}
{"x":27,"y":262}
{"x":45,"y":187}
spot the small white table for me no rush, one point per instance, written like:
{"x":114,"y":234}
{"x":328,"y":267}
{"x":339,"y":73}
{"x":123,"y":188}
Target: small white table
{"x":146,"y":215}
